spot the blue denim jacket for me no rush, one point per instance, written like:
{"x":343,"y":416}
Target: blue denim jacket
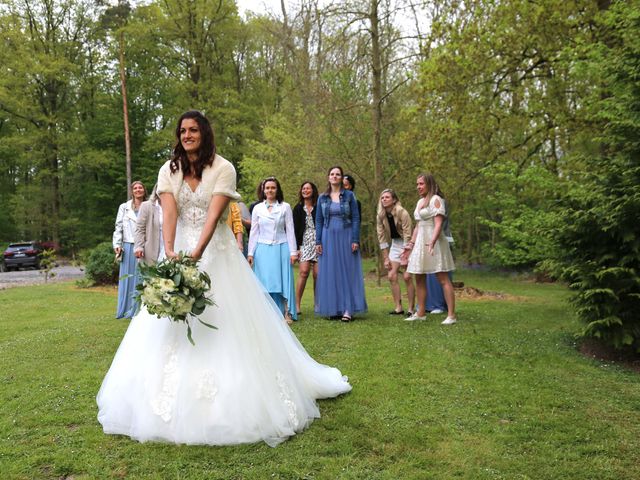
{"x":348,"y":209}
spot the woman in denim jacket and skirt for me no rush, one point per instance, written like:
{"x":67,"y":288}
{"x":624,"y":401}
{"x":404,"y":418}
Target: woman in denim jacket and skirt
{"x":340,"y":287}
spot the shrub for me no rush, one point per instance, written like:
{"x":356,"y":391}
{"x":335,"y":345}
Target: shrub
{"x":101,"y":267}
{"x":598,"y":236}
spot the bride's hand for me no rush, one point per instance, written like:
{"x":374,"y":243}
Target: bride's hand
{"x":171,"y":254}
{"x":195,"y":254}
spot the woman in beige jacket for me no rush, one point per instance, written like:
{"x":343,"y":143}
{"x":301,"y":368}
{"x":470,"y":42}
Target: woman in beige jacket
{"x":149,"y":246}
{"x":394,"y":230}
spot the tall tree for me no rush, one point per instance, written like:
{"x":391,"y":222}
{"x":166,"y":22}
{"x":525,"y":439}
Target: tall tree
{"x":46,"y":41}
{"x":115,"y":18}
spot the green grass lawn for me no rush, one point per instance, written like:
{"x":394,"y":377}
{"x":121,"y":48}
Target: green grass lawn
{"x":503,"y":394}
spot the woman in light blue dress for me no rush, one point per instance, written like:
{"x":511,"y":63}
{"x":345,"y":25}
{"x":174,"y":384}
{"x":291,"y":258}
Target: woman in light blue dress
{"x":340,"y":287}
{"x":123,"y":246}
{"x":272,"y":247}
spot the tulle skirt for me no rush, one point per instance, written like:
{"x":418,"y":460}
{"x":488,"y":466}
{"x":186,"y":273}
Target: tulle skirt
{"x":250,"y":380}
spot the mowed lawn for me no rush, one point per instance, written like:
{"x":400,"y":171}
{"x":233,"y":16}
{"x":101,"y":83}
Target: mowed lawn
{"x":503,"y":394}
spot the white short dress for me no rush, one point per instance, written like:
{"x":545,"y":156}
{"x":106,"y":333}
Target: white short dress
{"x":420,"y":260}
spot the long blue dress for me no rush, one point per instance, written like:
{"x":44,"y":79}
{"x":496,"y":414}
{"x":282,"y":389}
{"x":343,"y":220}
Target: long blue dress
{"x":127,"y":305}
{"x":273,"y":268}
{"x":340,"y":286}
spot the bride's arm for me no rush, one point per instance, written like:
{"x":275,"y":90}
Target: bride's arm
{"x":216,"y":207}
{"x":169,"y":220}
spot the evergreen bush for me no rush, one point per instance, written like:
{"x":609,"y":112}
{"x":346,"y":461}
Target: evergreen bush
{"x":598,"y":239}
{"x":101,"y":267}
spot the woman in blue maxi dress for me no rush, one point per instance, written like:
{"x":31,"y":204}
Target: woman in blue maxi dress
{"x":340,"y":287}
{"x":123,"y":246}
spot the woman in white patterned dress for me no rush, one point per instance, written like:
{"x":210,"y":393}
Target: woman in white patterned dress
{"x":248,"y":381}
{"x":428,"y":251}
{"x":304,"y":224}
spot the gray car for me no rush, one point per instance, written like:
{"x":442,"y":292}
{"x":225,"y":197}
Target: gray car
{"x":23,"y":254}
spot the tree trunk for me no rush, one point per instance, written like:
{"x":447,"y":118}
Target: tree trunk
{"x":376,"y":113}
{"x":376,"y":97}
{"x":125,"y":114}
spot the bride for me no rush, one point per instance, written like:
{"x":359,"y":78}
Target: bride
{"x":247,"y":381}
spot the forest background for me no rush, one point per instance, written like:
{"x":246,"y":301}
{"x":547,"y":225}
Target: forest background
{"x":527,"y":112}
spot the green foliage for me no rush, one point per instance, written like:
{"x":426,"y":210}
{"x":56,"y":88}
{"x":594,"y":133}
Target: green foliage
{"x":498,"y":96}
{"x":599,"y":235}
{"x":521,"y":210}
{"x":47,"y":262}
{"x":101,"y":267}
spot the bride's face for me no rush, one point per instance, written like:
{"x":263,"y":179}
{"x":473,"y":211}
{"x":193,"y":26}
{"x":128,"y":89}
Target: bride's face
{"x":190,"y":136}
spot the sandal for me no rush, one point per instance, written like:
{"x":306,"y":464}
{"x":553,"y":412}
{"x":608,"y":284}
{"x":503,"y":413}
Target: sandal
{"x":288,"y":319}
{"x":346,"y":318}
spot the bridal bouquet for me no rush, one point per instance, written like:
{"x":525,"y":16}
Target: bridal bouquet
{"x":175,"y":288}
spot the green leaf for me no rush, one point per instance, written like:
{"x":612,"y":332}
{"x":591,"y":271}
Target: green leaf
{"x":207,"y":325}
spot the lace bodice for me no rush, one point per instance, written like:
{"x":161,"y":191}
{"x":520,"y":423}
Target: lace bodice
{"x":192,"y":206}
{"x":192,"y":213}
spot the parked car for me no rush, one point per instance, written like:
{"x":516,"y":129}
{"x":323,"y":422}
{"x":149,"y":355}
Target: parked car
{"x":23,"y":254}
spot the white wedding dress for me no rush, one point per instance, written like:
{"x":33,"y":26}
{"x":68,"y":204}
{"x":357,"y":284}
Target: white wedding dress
{"x":248,"y":381}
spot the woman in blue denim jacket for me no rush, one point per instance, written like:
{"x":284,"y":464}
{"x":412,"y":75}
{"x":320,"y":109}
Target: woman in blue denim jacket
{"x":340,"y":287}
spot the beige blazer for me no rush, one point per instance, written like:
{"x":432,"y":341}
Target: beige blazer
{"x":402,"y":220}
{"x":147,"y":237}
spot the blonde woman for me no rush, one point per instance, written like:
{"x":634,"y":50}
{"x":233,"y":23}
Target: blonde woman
{"x":428,"y":251}
{"x":149,"y":246}
{"x":123,"y":246}
{"x":393,"y":225}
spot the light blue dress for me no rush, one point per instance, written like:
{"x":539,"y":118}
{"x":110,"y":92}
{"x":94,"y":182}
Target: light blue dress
{"x":271,"y":250}
{"x":127,"y":305}
{"x":272,"y":266}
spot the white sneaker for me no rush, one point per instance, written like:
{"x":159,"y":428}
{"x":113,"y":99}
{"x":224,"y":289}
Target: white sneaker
{"x":449,"y":321}
{"x":435,"y":311}
{"x":414,"y":317}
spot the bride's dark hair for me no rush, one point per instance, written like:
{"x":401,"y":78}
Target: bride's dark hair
{"x":207,"y":151}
